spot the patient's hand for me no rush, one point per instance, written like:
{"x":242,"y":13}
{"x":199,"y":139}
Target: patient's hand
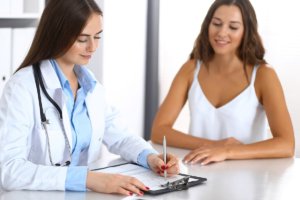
{"x":215,"y":151}
{"x":229,"y":141}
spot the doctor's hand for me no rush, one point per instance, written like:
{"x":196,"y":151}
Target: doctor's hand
{"x":114,"y":183}
{"x":156,"y":164}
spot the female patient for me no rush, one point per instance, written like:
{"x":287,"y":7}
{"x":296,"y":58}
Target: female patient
{"x":38,"y":152}
{"x":233,"y":93}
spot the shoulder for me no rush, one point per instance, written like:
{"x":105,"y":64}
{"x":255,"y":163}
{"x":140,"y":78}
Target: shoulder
{"x":266,"y":80}
{"x":23,"y":77}
{"x":266,"y":74}
{"x":188,"y":67}
{"x":20,"y":88}
{"x":187,"y":70}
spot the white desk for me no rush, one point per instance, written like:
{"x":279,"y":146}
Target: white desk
{"x":266,"y":179}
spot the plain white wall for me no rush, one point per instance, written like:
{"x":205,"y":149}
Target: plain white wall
{"x":278,"y":25}
{"x":123,"y":64}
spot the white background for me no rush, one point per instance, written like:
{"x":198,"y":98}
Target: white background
{"x":123,"y":58}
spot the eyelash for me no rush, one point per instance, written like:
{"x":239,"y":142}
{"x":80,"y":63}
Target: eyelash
{"x":83,"y":41}
{"x":218,"y":25}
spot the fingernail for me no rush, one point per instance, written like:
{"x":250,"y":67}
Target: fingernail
{"x":163,"y":167}
{"x":130,"y":193}
{"x":158,"y":172}
{"x":141,"y":193}
{"x":147,"y":188}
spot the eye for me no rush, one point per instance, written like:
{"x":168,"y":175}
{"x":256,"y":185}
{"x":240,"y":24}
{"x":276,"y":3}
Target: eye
{"x":233,"y":28}
{"x":82,"y":39}
{"x":217,"y":24}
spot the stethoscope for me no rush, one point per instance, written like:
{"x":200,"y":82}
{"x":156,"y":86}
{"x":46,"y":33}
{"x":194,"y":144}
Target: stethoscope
{"x":40,"y":85}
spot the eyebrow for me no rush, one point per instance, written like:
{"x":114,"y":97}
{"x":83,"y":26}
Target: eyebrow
{"x":83,"y":34}
{"x":235,"y":22}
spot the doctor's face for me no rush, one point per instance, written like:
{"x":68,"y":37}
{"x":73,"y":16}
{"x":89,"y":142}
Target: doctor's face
{"x":86,"y":44}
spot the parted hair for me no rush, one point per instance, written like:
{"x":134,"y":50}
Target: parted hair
{"x":60,"y":25}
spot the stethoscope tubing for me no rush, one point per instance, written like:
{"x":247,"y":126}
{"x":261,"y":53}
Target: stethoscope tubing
{"x":40,"y":85}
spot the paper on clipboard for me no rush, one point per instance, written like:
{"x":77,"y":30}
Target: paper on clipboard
{"x":146,"y":176}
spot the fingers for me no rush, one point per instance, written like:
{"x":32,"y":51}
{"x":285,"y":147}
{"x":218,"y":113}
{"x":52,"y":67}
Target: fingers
{"x":206,"y":156}
{"x":132,"y":186}
{"x":124,"y":192}
{"x":195,"y":157}
{"x":172,"y":165}
{"x":158,"y":166}
{"x":207,"y":160}
{"x":171,"y":160}
{"x":115,"y":183}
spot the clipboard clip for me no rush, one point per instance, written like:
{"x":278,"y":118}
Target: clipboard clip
{"x":180,"y":184}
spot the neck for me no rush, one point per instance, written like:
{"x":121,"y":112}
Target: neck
{"x":67,"y":69}
{"x":225,"y":63}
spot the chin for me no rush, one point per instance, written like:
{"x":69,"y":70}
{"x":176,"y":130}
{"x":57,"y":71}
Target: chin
{"x":221,"y":52}
{"x":83,"y":62}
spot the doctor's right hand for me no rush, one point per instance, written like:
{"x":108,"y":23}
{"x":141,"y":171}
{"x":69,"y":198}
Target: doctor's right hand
{"x":114,"y":183}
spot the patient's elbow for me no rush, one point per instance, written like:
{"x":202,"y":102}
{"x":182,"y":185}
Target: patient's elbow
{"x":155,"y":136}
{"x":289,"y":149}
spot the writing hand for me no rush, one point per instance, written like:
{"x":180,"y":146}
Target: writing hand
{"x":157,"y":164}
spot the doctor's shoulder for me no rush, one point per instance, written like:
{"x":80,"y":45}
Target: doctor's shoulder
{"x":20,"y":82}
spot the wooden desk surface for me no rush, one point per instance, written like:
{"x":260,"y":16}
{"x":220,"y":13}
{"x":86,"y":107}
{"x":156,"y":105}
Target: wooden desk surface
{"x":264,"y":179}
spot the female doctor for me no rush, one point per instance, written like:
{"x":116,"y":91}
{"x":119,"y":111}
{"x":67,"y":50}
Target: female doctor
{"x":54,"y":116}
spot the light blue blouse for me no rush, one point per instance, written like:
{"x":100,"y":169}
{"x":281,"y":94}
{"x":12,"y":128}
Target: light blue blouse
{"x":81,"y":125}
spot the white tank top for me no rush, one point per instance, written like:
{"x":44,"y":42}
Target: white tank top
{"x":243,"y":117}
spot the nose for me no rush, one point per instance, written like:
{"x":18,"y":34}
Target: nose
{"x":92,"y":45}
{"x":222,"y":32}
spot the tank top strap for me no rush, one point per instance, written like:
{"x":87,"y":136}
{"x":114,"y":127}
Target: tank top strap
{"x":198,"y":64}
{"x":254,"y":74}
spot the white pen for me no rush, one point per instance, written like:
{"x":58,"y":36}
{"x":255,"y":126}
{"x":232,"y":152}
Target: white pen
{"x":165,"y":155}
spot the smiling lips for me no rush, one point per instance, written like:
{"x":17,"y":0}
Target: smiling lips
{"x":221,"y":42}
{"x":86,"y":56}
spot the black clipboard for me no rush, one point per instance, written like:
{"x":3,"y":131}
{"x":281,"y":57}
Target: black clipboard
{"x":179,"y":185}
{"x":186,"y":182}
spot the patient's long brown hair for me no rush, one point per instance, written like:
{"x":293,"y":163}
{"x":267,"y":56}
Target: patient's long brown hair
{"x":251,"y":50}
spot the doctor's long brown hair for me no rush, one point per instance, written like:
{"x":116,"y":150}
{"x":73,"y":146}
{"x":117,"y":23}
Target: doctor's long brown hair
{"x":251,"y":50}
{"x":61,"y":23}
